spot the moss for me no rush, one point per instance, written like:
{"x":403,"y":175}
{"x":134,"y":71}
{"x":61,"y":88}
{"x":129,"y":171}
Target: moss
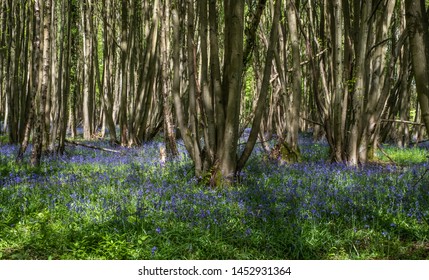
{"x":4,"y":139}
{"x":284,"y":153}
{"x":290,"y":154}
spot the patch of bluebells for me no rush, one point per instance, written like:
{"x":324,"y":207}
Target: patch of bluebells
{"x":131,"y":191}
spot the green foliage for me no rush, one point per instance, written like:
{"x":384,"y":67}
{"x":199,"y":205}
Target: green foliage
{"x":249,"y":93}
{"x":95,"y":205}
{"x":4,"y":139}
{"x":405,"y":156}
{"x":412,"y":114}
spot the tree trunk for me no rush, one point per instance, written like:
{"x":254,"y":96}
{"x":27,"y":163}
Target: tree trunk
{"x":233,"y":68}
{"x":39,"y":128}
{"x":106,"y":76}
{"x":33,"y":70}
{"x":294,"y":104}
{"x":169,"y":135}
{"x":87,"y":102}
{"x":417,"y":21}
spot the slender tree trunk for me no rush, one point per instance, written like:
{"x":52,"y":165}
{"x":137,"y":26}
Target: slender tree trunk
{"x":124,"y":81}
{"x":338,"y":99}
{"x":56,"y":75}
{"x":417,"y":21}
{"x":294,"y":106}
{"x":67,"y":77}
{"x":44,"y":78}
{"x":87,"y":101}
{"x":33,"y":73}
{"x":360,"y":85}
{"x":206,"y":95}
{"x":169,"y":135}
{"x":106,"y":76}
{"x":234,"y":29}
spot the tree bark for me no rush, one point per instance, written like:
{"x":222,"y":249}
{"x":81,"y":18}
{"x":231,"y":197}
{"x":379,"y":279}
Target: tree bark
{"x":87,"y":101}
{"x":294,"y":104}
{"x":417,"y":22}
{"x":39,"y":128}
{"x":233,"y":68}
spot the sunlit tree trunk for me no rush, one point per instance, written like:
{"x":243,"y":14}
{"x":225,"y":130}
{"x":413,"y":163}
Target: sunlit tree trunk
{"x":169,"y":134}
{"x":294,"y":102}
{"x":68,"y":9}
{"x":57,"y":69}
{"x":87,"y":97}
{"x":339,"y":97}
{"x":105,"y":83}
{"x":44,"y":79}
{"x":124,"y":81}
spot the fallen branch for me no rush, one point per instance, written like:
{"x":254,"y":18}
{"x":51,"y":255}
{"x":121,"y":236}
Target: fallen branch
{"x":404,"y":122}
{"x":418,"y":142}
{"x":91,"y":146}
{"x":315,"y":122}
{"x":308,"y":61}
{"x":384,"y":153}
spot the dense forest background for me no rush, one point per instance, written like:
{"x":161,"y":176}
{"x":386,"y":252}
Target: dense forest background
{"x":355,"y":72}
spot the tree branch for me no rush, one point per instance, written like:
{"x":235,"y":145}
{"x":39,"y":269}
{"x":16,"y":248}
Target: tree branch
{"x":91,"y":147}
{"x":405,"y":122}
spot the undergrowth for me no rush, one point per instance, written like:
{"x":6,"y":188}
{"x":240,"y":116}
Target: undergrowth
{"x":90,"y":204}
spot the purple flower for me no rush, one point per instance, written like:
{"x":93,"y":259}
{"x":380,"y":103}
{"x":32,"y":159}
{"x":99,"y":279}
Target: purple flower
{"x":154,"y":248}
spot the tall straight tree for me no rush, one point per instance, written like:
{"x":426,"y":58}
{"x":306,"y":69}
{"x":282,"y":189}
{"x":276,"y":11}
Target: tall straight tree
{"x":106,"y":82}
{"x":169,"y":135}
{"x":124,"y":81}
{"x":43,"y":87}
{"x":232,"y":79}
{"x":33,"y":76}
{"x":417,"y":21}
{"x":295,"y":100}
{"x":68,"y":9}
{"x":87,"y":7}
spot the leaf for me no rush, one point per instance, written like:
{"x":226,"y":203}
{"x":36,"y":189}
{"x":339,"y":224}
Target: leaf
{"x":142,"y":239}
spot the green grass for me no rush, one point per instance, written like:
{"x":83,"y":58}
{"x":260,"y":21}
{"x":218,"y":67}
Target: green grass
{"x":95,"y":205}
{"x":404,"y":156}
{"x":4,"y":139}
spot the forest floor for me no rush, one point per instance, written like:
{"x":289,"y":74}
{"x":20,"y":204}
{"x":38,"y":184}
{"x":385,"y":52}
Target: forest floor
{"x":93,"y":204}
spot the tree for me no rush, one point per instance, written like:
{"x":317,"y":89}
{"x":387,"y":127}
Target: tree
{"x":43,"y":77}
{"x":215,"y":109}
{"x":417,"y":21}
{"x":209,"y":70}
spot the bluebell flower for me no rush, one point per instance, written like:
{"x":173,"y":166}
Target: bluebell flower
{"x":154,"y":248}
